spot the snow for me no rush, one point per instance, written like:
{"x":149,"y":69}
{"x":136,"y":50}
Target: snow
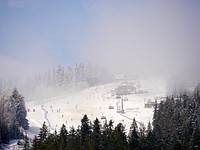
{"x":12,"y":145}
{"x":95,"y":101}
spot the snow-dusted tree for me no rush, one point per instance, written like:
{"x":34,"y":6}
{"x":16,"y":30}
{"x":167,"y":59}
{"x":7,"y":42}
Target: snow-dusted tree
{"x":26,"y":143}
{"x":68,"y":77}
{"x":80,"y":76}
{"x":59,"y":76}
{"x":80,"y":73}
{"x":149,"y":143}
{"x":5,"y":118}
{"x":17,"y":106}
{"x":47,"y":78}
{"x":40,"y":141}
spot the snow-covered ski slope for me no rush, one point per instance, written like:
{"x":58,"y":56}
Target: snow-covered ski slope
{"x":95,"y":102}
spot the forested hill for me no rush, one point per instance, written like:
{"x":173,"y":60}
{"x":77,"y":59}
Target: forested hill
{"x":57,"y":81}
{"x":176,"y":126}
{"x":176,"y":123}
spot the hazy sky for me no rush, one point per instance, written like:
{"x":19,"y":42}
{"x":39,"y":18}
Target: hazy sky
{"x":130,"y":34}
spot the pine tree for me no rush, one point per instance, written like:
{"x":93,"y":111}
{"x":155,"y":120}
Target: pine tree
{"x":17,"y":106}
{"x":134,"y":137}
{"x":85,"y":132}
{"x":158,"y":126}
{"x":36,"y":144}
{"x":15,"y":130}
{"x":42,"y":136}
{"x":150,"y":139}
{"x":108,"y":141}
{"x":26,"y":143}
{"x":74,"y":140}
{"x":5,"y":134}
{"x":96,"y":135}
{"x":60,"y":76}
{"x":5,"y":119}
{"x":55,"y":141}
{"x":63,"y":137}
{"x":168,"y":125}
{"x":120,"y":137}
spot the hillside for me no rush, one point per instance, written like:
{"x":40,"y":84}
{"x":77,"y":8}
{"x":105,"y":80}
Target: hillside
{"x":95,"y":102}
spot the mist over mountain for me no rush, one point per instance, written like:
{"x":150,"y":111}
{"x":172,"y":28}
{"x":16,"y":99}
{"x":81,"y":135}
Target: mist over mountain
{"x":130,"y":36}
{"x":133,"y":61}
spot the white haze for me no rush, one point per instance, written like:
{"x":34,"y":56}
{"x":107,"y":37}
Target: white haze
{"x":130,"y":36}
{"x":148,"y":35}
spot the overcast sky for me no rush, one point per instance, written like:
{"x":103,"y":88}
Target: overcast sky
{"x":128,"y":34}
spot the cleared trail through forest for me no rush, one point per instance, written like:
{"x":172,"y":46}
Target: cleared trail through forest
{"x":45,"y":116}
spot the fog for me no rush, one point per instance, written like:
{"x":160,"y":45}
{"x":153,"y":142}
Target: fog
{"x":156,"y":35}
{"x":126,"y":36}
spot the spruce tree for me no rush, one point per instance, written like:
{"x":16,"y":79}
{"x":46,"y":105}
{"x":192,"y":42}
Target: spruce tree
{"x":85,"y":132}
{"x":6,"y":118}
{"x":36,"y":144}
{"x":74,"y":139}
{"x":108,"y":141}
{"x":120,"y":137}
{"x":63,"y":137}
{"x":26,"y":143}
{"x":150,"y":139}
{"x":17,"y":107}
{"x":158,"y":126}
{"x":133,"y":136}
{"x":42,"y":136}
{"x":96,"y":135}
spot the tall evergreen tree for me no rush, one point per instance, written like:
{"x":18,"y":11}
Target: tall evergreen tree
{"x":36,"y":144}
{"x":26,"y":143}
{"x":74,"y":139}
{"x":133,"y":136}
{"x":5,"y":119}
{"x":158,"y":126}
{"x":12,"y":116}
{"x":17,"y":105}
{"x":120,"y":137}
{"x":85,"y":132}
{"x":108,"y":141}
{"x":63,"y":137}
{"x":150,"y":139}
{"x":96,"y":135}
{"x":42,"y":136}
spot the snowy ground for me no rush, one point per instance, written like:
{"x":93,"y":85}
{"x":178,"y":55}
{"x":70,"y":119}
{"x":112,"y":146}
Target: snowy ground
{"x":94,"y":102}
{"x":12,"y":145}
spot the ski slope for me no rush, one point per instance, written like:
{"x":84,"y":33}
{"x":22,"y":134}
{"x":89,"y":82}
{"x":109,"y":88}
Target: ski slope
{"x":95,"y":102}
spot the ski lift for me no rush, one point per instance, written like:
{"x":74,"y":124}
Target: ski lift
{"x":111,"y":107}
{"x":103,"y":117}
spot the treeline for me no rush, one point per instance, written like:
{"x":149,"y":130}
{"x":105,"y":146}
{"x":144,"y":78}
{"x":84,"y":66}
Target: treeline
{"x":176,"y":126}
{"x":92,"y":136}
{"x":59,"y":80}
{"x":177,"y":123}
{"x":13,"y":113}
